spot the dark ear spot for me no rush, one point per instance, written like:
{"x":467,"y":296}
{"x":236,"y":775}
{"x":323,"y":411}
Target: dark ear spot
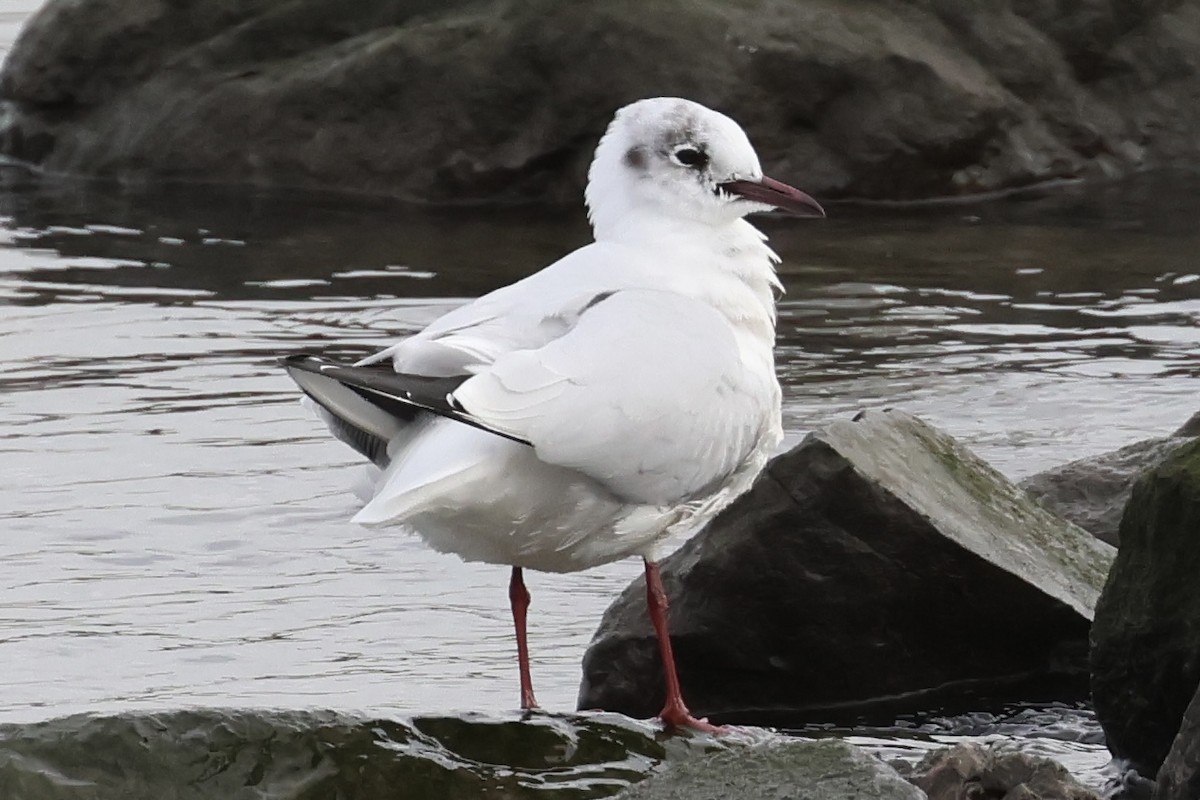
{"x":635,"y":158}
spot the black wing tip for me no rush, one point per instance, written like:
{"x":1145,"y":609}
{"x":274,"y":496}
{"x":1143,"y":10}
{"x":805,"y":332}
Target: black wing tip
{"x":399,"y":394}
{"x":307,"y":362}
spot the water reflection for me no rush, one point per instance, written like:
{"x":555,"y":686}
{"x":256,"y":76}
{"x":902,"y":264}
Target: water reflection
{"x":190,"y":243}
{"x":176,"y":526}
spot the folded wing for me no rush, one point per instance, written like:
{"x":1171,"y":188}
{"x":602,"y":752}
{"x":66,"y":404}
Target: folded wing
{"x":647,"y":394}
{"x":644,"y":391}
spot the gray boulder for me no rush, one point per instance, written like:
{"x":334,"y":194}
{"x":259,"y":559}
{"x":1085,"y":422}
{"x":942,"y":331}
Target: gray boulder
{"x":823,"y":770}
{"x":1179,"y":777}
{"x":1146,"y":638}
{"x":975,"y":772}
{"x":494,"y":100}
{"x":878,"y":567}
{"x":1092,"y":492}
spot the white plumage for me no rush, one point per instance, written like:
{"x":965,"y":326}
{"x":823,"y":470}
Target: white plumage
{"x":632,"y":381}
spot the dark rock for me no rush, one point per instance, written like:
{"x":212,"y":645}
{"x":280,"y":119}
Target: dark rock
{"x":1146,"y":637}
{"x":1092,"y":492}
{"x":1125,"y":783}
{"x":877,"y":567}
{"x":976,"y":772}
{"x":316,"y":755}
{"x":1179,"y":777}
{"x":823,"y":770}
{"x":1191,"y":427}
{"x":494,"y":100}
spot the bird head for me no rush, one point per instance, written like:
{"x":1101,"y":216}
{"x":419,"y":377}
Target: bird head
{"x":679,"y":159}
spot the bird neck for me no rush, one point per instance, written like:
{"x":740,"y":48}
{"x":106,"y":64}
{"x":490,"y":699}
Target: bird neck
{"x":727,"y":266}
{"x":706,"y":252}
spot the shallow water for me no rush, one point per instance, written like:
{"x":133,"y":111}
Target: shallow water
{"x":175,"y":526}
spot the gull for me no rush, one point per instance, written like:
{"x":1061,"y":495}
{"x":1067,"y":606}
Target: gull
{"x":588,"y":412}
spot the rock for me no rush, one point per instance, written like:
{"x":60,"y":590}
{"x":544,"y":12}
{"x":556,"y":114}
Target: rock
{"x":1179,"y":777}
{"x":1092,"y":492}
{"x":1146,"y":637}
{"x":314,"y":755}
{"x":830,"y":769}
{"x":1191,"y":427}
{"x":976,"y":772}
{"x":493,"y":101}
{"x":877,"y":567}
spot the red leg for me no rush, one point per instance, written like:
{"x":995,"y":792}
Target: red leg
{"x":674,"y":714}
{"x":518,"y":595}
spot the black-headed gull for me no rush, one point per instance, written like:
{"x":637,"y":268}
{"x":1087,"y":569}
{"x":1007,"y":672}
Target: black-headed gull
{"x":622,"y":394}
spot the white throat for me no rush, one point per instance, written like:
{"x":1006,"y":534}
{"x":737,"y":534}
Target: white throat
{"x":729,"y":267}
{"x":639,"y":195}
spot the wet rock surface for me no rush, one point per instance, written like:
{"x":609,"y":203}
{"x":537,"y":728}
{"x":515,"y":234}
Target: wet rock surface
{"x":1146,"y":638}
{"x":309,"y":755}
{"x":823,"y":770}
{"x":248,"y":754}
{"x":488,"y":101}
{"x":878,"y":541}
{"x":1179,"y":777}
{"x":1092,"y":492}
{"x":975,"y":772}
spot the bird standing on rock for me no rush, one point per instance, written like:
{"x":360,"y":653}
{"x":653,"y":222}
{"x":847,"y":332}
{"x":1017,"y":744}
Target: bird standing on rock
{"x":622,"y":394}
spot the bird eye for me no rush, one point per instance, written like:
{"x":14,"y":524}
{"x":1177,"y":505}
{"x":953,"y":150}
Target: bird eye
{"x":690,"y":157}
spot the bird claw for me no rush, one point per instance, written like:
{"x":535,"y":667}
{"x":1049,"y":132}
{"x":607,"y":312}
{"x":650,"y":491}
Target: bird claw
{"x":676,"y":717}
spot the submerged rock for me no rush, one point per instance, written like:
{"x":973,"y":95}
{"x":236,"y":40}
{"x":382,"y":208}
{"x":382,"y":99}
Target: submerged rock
{"x":877,"y":567}
{"x":493,"y":100}
{"x":1146,"y":637}
{"x":1092,"y":492}
{"x":969,"y":771}
{"x":1179,"y":777}
{"x":823,"y":770}
{"x":230,"y":755}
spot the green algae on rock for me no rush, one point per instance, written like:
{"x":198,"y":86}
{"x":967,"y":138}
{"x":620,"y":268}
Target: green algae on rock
{"x":830,"y":769}
{"x":214,"y":754}
{"x":1146,"y":639}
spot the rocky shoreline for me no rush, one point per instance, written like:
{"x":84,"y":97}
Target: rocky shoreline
{"x":914,"y":515}
{"x":879,"y":567}
{"x":230,"y":754}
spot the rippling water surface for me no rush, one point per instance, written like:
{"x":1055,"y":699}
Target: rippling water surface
{"x":175,"y":526}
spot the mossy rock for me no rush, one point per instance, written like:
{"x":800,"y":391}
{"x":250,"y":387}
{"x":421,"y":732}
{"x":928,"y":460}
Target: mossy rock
{"x":238,"y":754}
{"x":823,"y":770}
{"x":879,"y":567}
{"x":1146,"y":638}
